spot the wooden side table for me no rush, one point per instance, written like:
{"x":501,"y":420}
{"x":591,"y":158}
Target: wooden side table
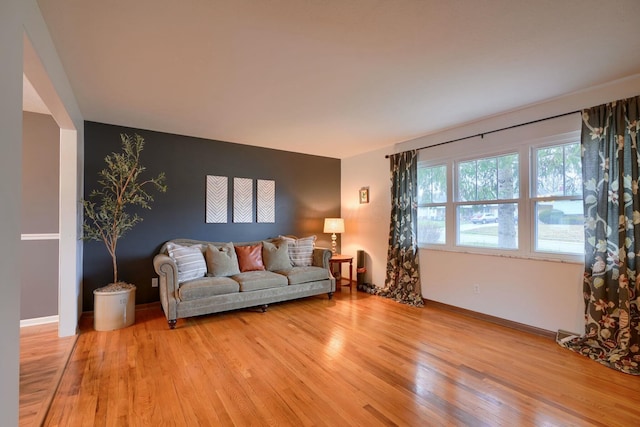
{"x":338,"y":259}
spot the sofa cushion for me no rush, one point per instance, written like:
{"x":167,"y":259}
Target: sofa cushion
{"x":255,"y":280}
{"x":250,"y":258}
{"x":207,"y":287}
{"x":221,"y":260}
{"x":300,"y":250}
{"x":298,"y":275}
{"x":189,"y":260}
{"x":276,"y":255}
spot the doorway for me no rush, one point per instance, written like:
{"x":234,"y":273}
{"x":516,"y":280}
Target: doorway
{"x":70,"y":191}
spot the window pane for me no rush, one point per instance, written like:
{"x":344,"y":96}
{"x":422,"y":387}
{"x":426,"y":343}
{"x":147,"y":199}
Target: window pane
{"x":489,"y":225}
{"x":491,"y":178}
{"x":573,"y":170}
{"x":432,"y":184}
{"x":431,"y":225}
{"x":560,"y":226}
{"x":550,"y":172}
{"x":559,"y":171}
{"x":487,"y":179}
{"x":508,"y":183}
{"x":467,"y":181}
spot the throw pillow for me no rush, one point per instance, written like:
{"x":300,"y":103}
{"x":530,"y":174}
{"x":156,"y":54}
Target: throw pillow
{"x":300,"y":250}
{"x":276,"y":255}
{"x":222,"y":260}
{"x":250,"y":258}
{"x":189,"y":261}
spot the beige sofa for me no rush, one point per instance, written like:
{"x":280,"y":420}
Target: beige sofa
{"x":198,"y":277}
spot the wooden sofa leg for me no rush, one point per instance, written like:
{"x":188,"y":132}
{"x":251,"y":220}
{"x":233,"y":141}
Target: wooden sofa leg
{"x":264,"y":307}
{"x":330,"y":295}
{"x":172,"y":323}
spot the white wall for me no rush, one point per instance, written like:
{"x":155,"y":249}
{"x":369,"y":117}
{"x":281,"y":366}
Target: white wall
{"x":542,"y":294}
{"x":367,"y":224}
{"x":10,"y":189}
{"x":16,"y":18}
{"x":45,"y":72}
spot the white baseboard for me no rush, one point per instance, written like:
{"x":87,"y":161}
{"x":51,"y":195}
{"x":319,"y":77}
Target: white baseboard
{"x":39,"y":321}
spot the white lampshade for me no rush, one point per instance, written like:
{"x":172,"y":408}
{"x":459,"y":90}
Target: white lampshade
{"x":334,"y":225}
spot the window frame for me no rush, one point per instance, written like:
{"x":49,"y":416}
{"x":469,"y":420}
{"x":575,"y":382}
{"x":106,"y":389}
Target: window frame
{"x":526,"y":233}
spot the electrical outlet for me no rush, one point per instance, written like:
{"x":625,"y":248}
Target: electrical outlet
{"x":476,"y":289}
{"x":154,"y":282}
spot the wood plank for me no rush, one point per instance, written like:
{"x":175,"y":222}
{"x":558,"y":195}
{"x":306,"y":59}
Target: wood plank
{"x":355,"y":360}
{"x":43,"y":356}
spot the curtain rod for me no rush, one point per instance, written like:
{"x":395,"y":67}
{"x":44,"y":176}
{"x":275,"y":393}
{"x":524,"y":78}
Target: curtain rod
{"x":481,"y":135}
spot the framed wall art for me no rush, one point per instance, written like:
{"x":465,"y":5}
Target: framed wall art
{"x":266,"y":201}
{"x":217,"y":193}
{"x":242,"y":200}
{"x":364,"y":195}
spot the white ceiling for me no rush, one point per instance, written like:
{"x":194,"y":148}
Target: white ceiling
{"x":333,"y":77}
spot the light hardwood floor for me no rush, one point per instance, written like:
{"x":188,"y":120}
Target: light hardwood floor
{"x":43,"y":356}
{"x":357,"y":360}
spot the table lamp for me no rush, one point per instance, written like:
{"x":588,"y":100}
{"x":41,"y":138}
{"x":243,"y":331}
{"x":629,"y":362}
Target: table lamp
{"x":333,"y":226}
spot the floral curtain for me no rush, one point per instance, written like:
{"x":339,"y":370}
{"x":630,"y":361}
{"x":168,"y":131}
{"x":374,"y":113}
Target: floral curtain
{"x":612,"y":236}
{"x":402,"y":282}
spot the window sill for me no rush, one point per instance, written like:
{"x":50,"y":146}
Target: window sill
{"x":563,"y":259}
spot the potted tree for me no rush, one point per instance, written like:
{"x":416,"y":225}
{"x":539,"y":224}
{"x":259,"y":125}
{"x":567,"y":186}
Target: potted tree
{"x":120,"y":186}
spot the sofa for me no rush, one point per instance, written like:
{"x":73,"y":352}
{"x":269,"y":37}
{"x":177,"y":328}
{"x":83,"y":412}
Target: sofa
{"x":199,"y":277}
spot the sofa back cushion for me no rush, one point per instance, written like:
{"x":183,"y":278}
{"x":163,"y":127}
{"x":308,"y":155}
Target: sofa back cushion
{"x":300,"y":250}
{"x":275,"y":255}
{"x":189,"y":260}
{"x":250,"y":257}
{"x":222,"y":260}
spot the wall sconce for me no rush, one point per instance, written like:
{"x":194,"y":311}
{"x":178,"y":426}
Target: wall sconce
{"x":333,"y":226}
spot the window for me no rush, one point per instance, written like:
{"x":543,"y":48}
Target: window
{"x":487,"y":202}
{"x":432,"y":198}
{"x":504,"y":197}
{"x":557,"y":199}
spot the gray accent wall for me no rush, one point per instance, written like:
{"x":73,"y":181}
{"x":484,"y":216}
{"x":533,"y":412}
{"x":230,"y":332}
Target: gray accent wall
{"x":40,"y":214}
{"x":307,"y":191}
{"x":40,"y":174}
{"x":39,"y":280}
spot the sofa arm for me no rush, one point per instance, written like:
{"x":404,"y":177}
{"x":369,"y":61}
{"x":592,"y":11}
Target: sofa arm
{"x":321,"y":257}
{"x":168,"y":284}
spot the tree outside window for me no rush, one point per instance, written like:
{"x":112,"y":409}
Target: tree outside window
{"x":494,"y":180}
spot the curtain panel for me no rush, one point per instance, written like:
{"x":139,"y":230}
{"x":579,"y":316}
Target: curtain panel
{"x":612,"y":236}
{"x":402,"y":281}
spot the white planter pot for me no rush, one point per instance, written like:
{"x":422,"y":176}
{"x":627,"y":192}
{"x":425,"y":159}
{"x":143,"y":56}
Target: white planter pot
{"x":114,"y":309}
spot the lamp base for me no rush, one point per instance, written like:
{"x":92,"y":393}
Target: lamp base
{"x":333,"y":243}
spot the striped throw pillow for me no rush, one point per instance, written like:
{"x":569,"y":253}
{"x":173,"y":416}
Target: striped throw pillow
{"x":300,"y":250}
{"x":189,"y":260}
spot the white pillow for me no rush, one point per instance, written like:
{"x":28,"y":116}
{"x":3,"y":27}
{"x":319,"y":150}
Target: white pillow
{"x":300,"y":250}
{"x":190,"y":261}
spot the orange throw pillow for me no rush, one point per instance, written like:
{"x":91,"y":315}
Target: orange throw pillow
{"x":250,"y":258}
